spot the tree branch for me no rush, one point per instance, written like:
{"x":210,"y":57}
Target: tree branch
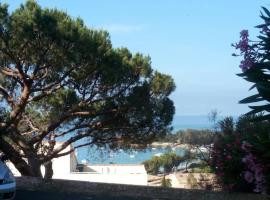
{"x":65,"y":117}
{"x":8,"y":98}
{"x":70,"y":151}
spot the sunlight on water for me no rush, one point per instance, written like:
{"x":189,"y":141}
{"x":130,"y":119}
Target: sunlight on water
{"x":96,"y":155}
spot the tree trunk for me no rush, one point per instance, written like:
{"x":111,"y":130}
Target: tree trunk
{"x":187,"y":166}
{"x":32,"y":168}
{"x":48,"y":170}
{"x":15,"y":157}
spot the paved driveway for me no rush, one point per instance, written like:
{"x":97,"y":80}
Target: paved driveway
{"x":29,"y":195}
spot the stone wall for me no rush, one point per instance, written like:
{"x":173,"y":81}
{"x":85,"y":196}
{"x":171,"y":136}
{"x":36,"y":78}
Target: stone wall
{"x":157,"y":193}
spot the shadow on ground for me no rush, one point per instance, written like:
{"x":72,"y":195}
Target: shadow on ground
{"x":28,"y":195}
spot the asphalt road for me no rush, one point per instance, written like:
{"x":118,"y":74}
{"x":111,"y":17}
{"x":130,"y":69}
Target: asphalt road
{"x":28,"y":195}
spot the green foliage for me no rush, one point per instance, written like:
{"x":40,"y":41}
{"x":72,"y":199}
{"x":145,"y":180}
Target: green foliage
{"x":190,"y":136}
{"x":228,"y":153}
{"x":188,"y":157}
{"x":226,"y":157}
{"x":201,"y":167}
{"x":256,"y":136}
{"x":258,"y":74}
{"x":152,"y":166}
{"x":167,"y":161}
{"x":61,"y":80}
{"x":166,"y":182}
{"x":170,"y":160}
{"x":192,"y":181}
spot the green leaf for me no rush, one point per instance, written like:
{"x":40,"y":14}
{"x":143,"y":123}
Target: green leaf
{"x":266,"y":11}
{"x":252,"y":112}
{"x":242,"y":74}
{"x":260,"y":26}
{"x":258,"y":109}
{"x":264,"y":17}
{"x":264,"y":107}
{"x":264,"y":90}
{"x":252,"y":99}
{"x":261,"y":118}
{"x":262,"y":38}
{"x":252,"y":87}
{"x":263,"y":65}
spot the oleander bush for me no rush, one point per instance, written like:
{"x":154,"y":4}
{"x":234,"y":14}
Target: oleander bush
{"x":240,"y":155}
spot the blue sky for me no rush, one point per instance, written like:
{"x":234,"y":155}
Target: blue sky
{"x":188,"y":39}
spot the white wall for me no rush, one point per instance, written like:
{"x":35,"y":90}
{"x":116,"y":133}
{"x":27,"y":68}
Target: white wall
{"x":65,"y":168}
{"x":131,"y":179}
{"x":115,"y":169}
{"x":113,"y":173}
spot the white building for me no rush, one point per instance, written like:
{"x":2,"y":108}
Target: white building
{"x":67,"y":167}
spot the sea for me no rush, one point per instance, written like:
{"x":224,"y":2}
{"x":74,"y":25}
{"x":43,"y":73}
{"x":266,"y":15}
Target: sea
{"x":99,"y":155}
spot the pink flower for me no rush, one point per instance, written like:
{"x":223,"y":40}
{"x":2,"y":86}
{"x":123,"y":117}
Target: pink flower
{"x":248,"y":158}
{"x":248,"y":176}
{"x":246,"y":146}
{"x":246,"y":64}
{"x":242,"y":45}
{"x":258,"y":173}
{"x":247,"y":51}
{"x":244,"y":34}
{"x":228,"y":157}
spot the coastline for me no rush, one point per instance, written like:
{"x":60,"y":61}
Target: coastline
{"x":170,"y":144}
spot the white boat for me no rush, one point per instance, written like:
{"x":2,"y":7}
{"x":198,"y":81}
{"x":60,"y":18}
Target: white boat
{"x":111,"y":154}
{"x":84,"y":161}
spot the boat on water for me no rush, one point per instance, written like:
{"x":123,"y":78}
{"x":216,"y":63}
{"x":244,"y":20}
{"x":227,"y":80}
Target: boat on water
{"x":111,"y":154}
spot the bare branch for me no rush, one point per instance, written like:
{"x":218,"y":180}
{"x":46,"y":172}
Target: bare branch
{"x":8,"y":98}
{"x":45,"y":93}
{"x":66,"y":144}
{"x":76,"y":127}
{"x":66,"y":116}
{"x":9,"y":72}
{"x":30,"y":125}
{"x":12,"y":73}
{"x":72,"y":150}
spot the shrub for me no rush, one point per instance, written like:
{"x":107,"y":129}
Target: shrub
{"x":192,"y":181}
{"x":166,"y":182}
{"x":170,"y":160}
{"x":166,"y":161}
{"x":152,"y":166}
{"x":240,"y":156}
{"x":255,"y":142}
{"x":201,"y":167}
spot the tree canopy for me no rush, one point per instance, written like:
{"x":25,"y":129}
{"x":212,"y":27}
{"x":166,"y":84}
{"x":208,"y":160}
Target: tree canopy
{"x":62,"y":81}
